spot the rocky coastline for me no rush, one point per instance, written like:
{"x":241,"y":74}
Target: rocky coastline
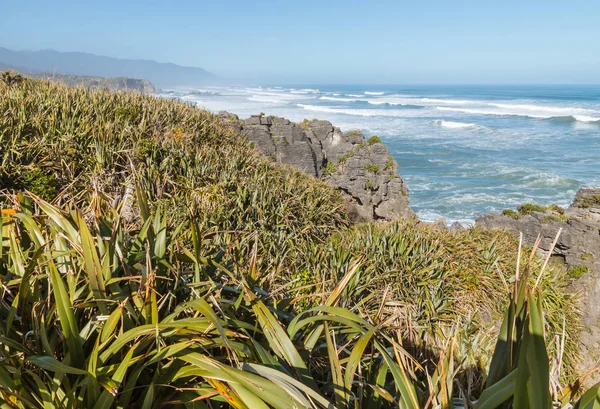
{"x":367,"y":176}
{"x":361,"y":169}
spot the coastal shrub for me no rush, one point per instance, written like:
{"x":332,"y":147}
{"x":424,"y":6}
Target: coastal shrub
{"x":79,"y":138}
{"x":529,"y":208}
{"x":40,"y":183}
{"x":433,"y":285}
{"x":510,"y":213}
{"x":373,"y":140}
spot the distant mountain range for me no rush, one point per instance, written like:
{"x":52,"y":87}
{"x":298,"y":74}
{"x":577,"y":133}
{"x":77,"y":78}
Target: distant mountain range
{"x":78,"y":63}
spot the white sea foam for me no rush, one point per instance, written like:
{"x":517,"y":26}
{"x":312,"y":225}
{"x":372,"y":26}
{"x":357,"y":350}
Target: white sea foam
{"x":306,"y":91}
{"x":355,"y":95}
{"x":356,"y":112}
{"x":264,"y":99}
{"x":541,"y":113}
{"x":394,"y":101}
{"x":373,"y":93}
{"x":325,"y":98}
{"x":454,"y":125}
{"x":584,"y":118}
{"x":449,"y":101}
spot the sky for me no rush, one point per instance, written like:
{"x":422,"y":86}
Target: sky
{"x":321,"y":41}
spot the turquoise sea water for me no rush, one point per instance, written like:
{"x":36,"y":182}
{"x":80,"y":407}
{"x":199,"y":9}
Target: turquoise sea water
{"x":463,"y":150}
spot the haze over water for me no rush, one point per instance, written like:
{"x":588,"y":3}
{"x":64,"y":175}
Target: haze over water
{"x":463,"y":150}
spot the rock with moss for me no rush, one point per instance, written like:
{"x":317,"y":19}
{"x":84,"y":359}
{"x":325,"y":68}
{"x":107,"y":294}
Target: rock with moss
{"x":362,"y":169}
{"x":577,"y":248}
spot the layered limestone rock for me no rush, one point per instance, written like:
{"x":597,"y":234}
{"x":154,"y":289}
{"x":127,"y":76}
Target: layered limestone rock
{"x":578,"y":247}
{"x":361,"y":169}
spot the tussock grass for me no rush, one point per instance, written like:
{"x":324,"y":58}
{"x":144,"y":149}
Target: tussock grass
{"x":62,"y":141}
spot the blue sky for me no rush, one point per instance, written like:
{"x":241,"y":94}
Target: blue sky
{"x":309,"y":41}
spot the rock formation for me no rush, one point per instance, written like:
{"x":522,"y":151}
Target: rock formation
{"x":361,"y":169}
{"x":578,"y":247}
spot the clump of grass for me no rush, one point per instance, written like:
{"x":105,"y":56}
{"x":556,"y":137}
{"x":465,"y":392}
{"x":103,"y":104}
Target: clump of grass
{"x":354,"y":132}
{"x":554,"y":218}
{"x":556,"y":208}
{"x":389,"y":164}
{"x":587,"y":257}
{"x":510,"y":213}
{"x":588,"y":202}
{"x":529,"y":208}
{"x":371,"y":167}
{"x":329,"y":169}
{"x":351,"y":153}
{"x":373,"y":140}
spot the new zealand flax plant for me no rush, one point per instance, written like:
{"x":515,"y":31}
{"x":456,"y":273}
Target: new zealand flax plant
{"x":97,"y":315}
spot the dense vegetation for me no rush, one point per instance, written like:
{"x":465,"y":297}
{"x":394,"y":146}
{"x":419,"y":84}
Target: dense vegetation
{"x":177,"y":266}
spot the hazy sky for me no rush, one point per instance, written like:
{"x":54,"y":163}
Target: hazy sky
{"x":320,"y":41}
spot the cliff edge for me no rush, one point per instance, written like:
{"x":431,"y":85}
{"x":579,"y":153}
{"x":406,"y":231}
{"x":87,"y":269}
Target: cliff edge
{"x":361,"y":169}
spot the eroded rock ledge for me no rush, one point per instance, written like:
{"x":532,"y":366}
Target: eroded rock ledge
{"x":363,"y":170}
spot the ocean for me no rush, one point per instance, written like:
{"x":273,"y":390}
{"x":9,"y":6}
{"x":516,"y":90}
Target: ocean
{"x":462,"y":150}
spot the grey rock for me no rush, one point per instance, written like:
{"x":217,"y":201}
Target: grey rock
{"x":365,"y":174}
{"x":456,"y":227}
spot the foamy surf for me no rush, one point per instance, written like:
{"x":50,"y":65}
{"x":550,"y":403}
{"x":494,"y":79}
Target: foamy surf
{"x":373,"y":93}
{"x":539,"y":114}
{"x":339,"y":99}
{"x":455,"y":125}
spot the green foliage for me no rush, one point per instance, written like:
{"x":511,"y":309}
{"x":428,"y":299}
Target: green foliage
{"x":133,"y":318}
{"x":371,"y":167}
{"x":389,"y":164}
{"x":587,"y":257}
{"x":40,"y":183}
{"x":577,"y":271}
{"x":329,"y":169}
{"x":423,"y":282}
{"x":588,"y":202}
{"x":510,"y":213}
{"x":191,"y":161}
{"x":529,"y":208}
{"x":373,"y":140}
{"x":370,"y":185}
{"x":555,"y":218}
{"x":354,"y":132}
{"x":556,"y":208}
